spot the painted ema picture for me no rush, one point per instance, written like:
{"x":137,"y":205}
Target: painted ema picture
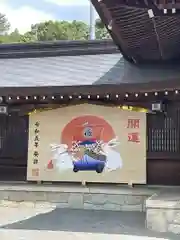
{"x":88,"y":143}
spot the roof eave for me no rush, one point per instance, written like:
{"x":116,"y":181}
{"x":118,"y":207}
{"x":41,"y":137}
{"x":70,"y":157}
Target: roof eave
{"x":103,"y":13}
{"x":86,"y":90}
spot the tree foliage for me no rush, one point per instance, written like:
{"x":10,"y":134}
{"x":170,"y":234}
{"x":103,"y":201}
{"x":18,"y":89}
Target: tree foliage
{"x":51,"y":31}
{"x":101,"y":32}
{"x":4,"y":24}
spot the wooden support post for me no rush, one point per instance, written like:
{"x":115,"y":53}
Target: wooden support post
{"x":39,"y":182}
{"x":83,"y":183}
{"x":130,"y":184}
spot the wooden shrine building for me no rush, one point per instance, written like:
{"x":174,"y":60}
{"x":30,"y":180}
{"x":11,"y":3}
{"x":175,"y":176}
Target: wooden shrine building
{"x":43,"y":75}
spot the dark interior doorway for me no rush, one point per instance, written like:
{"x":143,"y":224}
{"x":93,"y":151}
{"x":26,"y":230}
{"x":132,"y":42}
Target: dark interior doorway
{"x":163,"y":147}
{"x":13,"y":147}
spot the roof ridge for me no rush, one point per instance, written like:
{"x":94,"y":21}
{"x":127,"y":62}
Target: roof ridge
{"x":56,"y":44}
{"x":57,"y":48}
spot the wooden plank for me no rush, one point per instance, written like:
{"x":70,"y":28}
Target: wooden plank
{"x":12,"y":173}
{"x":13,"y":147}
{"x":163,"y":172}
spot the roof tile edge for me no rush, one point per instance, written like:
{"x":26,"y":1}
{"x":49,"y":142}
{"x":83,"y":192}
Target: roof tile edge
{"x":57,"y":48}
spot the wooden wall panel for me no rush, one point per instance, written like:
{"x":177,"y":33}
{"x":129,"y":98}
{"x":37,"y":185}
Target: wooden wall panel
{"x":13,"y":147}
{"x":163,"y":172}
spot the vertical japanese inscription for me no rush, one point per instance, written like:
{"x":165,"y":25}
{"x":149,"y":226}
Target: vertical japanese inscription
{"x":36,"y":143}
{"x":133,"y":125}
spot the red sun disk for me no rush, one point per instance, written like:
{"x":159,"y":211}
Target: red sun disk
{"x":73,"y":131}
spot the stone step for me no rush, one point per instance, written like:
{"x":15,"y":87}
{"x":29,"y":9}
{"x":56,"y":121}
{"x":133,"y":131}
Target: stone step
{"x":163,"y":212}
{"x":97,"y":198}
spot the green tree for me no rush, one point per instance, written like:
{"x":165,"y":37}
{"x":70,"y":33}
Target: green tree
{"x":4,"y":27}
{"x":101,"y":31}
{"x":64,"y":30}
{"x":28,"y":37}
{"x":15,"y":36}
{"x":99,"y":24}
{"x":51,"y":31}
{"x":4,"y":24}
{"x":59,"y":30}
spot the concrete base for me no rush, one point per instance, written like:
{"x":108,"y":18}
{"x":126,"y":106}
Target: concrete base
{"x":76,"y":197}
{"x":162,"y":205}
{"x":163,"y":212}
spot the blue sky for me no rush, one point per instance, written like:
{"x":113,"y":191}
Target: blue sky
{"x":23,"y":13}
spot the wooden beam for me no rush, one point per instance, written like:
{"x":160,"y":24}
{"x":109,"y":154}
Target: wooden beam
{"x":106,"y":17}
{"x":93,"y":90}
{"x":156,"y":5}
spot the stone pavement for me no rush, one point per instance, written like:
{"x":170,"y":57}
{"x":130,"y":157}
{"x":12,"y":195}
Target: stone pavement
{"x":47,"y":222}
{"x":46,"y":235}
{"x":163,"y":212}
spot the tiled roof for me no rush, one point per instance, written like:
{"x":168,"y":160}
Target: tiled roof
{"x":80,"y":70}
{"x":56,"y":71}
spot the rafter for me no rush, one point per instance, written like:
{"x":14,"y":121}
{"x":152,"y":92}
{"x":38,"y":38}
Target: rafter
{"x":141,"y":30}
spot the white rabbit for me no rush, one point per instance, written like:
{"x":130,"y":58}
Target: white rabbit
{"x":63,"y":160}
{"x":113,"y":158}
